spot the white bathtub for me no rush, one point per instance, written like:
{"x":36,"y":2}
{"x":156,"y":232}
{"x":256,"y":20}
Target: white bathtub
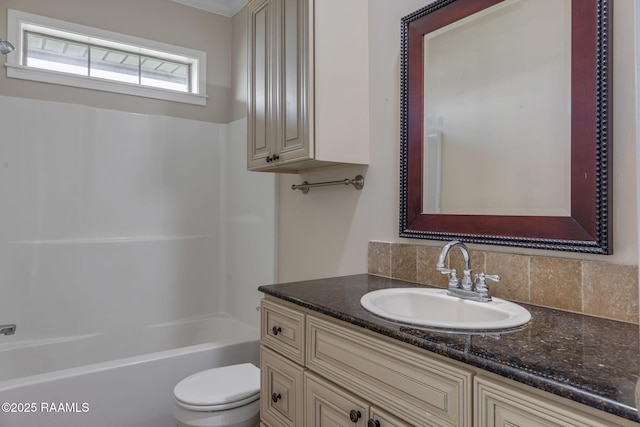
{"x":115,"y":380}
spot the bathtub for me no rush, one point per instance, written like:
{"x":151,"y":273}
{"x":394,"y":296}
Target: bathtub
{"x":120,"y":379}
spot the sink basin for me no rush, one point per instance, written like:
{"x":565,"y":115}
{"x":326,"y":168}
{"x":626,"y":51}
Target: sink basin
{"x":433,"y":308}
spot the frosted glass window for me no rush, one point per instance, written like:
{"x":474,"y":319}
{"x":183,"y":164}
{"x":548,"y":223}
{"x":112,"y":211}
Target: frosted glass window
{"x":66,"y":56}
{"x":59,"y":52}
{"x":52,"y":54}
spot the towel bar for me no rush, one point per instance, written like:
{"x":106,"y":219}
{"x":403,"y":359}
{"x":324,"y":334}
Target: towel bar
{"x":357,"y":182}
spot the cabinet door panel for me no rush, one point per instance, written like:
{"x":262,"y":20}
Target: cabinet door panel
{"x":281,"y":382}
{"x":260,"y":36}
{"x":294,"y":78}
{"x":328,"y":406}
{"x":384,"y":419}
{"x":499,"y":405}
{"x":292,"y":143}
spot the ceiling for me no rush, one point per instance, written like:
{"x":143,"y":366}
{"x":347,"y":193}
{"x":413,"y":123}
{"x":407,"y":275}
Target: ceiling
{"x":221,"y":7}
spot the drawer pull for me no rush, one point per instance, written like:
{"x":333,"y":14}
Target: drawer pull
{"x":373,"y":423}
{"x":275,"y":397}
{"x":276,"y":330}
{"x":354,"y":416}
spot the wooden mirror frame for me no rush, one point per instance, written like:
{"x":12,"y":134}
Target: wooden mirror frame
{"x":587,"y":229}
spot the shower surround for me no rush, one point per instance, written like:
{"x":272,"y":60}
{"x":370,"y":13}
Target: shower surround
{"x":113,"y":220}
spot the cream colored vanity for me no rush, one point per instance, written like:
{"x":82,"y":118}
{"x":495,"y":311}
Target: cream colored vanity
{"x":320,"y":371}
{"x":308,"y":86}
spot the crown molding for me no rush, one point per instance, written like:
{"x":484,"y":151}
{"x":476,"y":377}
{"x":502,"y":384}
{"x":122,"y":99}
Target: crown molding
{"x":226,"y":8}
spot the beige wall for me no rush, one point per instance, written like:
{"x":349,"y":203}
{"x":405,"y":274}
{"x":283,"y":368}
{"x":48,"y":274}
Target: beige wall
{"x":325,"y":232}
{"x":160,"y":20}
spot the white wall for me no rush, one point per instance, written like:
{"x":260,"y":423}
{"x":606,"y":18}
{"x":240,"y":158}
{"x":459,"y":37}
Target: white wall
{"x":325,"y":233}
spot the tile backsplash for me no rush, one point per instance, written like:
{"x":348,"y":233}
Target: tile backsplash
{"x":593,"y":288}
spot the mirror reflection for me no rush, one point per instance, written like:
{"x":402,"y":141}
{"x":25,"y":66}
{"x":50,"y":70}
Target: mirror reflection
{"x":497,"y":112}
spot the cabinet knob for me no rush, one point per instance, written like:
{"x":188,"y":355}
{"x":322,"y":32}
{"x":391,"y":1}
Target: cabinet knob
{"x":354,"y":416}
{"x":274,"y":157}
{"x":373,"y":423}
{"x":275,"y":397}
{"x":276,"y":330}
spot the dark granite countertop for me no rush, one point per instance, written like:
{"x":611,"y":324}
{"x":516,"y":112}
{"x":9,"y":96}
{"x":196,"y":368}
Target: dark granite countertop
{"x":589,"y":360}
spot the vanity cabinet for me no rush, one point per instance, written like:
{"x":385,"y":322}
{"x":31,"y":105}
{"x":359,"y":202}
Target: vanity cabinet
{"x":318,"y":371}
{"x":308,"y":94}
{"x":346,"y":371}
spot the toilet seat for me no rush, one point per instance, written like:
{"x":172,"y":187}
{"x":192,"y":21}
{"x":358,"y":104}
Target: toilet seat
{"x":216,"y":408}
{"x":219,"y":389}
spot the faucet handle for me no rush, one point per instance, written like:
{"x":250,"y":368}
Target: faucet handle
{"x":492,"y":277}
{"x":453,"y":279}
{"x":481,"y":284}
{"x":482,"y":277}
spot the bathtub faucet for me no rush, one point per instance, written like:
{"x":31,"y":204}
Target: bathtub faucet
{"x":7,"y":329}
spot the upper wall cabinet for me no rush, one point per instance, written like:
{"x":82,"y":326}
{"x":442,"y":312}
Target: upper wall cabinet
{"x":308,"y":85}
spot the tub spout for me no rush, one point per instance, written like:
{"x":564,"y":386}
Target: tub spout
{"x":7,"y":329}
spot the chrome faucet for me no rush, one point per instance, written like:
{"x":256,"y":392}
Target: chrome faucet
{"x":466,"y":283}
{"x":467,"y":288}
{"x":7,"y":329}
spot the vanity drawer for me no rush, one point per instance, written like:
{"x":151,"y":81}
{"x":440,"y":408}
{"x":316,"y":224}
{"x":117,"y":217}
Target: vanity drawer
{"x":281,"y":385}
{"x":417,"y":388}
{"x":282,"y":329}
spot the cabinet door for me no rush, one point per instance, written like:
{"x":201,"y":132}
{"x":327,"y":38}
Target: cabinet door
{"x":281,"y":384}
{"x":260,"y":109}
{"x":329,"y":406}
{"x":277,"y":116}
{"x":380,"y":418}
{"x":292,"y":142}
{"x":501,"y":405}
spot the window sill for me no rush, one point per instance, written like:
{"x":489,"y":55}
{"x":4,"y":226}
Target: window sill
{"x":52,"y":77}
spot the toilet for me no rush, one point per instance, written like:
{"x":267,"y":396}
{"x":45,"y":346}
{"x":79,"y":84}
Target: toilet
{"x":228,"y":396}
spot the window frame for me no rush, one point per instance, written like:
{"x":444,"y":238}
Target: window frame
{"x":19,"y":22}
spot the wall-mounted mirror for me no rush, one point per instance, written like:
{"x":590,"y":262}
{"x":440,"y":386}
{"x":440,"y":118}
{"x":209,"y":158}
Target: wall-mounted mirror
{"x":505,"y":123}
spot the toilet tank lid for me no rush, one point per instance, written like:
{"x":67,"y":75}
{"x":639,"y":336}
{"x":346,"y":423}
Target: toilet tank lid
{"x":219,"y":386}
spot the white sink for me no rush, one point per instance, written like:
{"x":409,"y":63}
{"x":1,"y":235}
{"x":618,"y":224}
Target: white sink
{"x":433,"y":308}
